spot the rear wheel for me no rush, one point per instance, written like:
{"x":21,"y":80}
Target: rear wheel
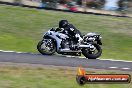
{"x":92,"y":53}
{"x":46,"y":47}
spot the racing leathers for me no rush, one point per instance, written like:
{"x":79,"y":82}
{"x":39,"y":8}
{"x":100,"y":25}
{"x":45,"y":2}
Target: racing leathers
{"x":73,"y":33}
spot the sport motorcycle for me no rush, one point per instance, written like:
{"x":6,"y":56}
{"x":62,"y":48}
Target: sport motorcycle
{"x":56,"y":41}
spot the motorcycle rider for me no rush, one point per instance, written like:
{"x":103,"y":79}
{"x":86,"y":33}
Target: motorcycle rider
{"x":71,"y":31}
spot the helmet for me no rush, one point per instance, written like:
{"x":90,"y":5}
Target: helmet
{"x":63,"y":23}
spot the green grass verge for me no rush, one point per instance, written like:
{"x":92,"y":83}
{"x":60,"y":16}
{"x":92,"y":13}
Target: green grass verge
{"x":29,"y":77}
{"x":22,"y":28}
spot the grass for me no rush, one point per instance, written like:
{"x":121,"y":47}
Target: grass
{"x":22,"y":28}
{"x":42,"y":77}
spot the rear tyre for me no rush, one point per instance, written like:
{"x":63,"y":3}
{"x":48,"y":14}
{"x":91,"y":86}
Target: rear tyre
{"x":46,"y":47}
{"x":92,"y":54}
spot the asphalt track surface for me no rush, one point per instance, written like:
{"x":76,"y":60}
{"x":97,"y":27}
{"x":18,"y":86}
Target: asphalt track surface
{"x":64,"y":61}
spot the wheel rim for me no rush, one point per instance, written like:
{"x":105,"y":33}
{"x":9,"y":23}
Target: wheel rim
{"x":47,"y":46}
{"x":93,"y":50}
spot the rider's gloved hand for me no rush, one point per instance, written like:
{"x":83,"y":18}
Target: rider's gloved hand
{"x":58,"y":29}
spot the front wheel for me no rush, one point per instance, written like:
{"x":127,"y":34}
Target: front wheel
{"x":92,"y":53}
{"x":46,"y":47}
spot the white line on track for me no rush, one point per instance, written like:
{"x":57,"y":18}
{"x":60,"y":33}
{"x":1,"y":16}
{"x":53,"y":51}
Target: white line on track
{"x":11,"y":51}
{"x":68,"y":56}
{"x":119,"y":68}
{"x":6,"y":51}
{"x":113,"y":67}
{"x":126,"y":68}
{"x":115,"y":60}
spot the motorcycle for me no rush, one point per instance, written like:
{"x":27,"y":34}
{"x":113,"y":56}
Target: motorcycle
{"x":56,"y":41}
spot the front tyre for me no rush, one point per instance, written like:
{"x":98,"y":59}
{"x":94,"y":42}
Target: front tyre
{"x":92,"y":54}
{"x":46,"y":47}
